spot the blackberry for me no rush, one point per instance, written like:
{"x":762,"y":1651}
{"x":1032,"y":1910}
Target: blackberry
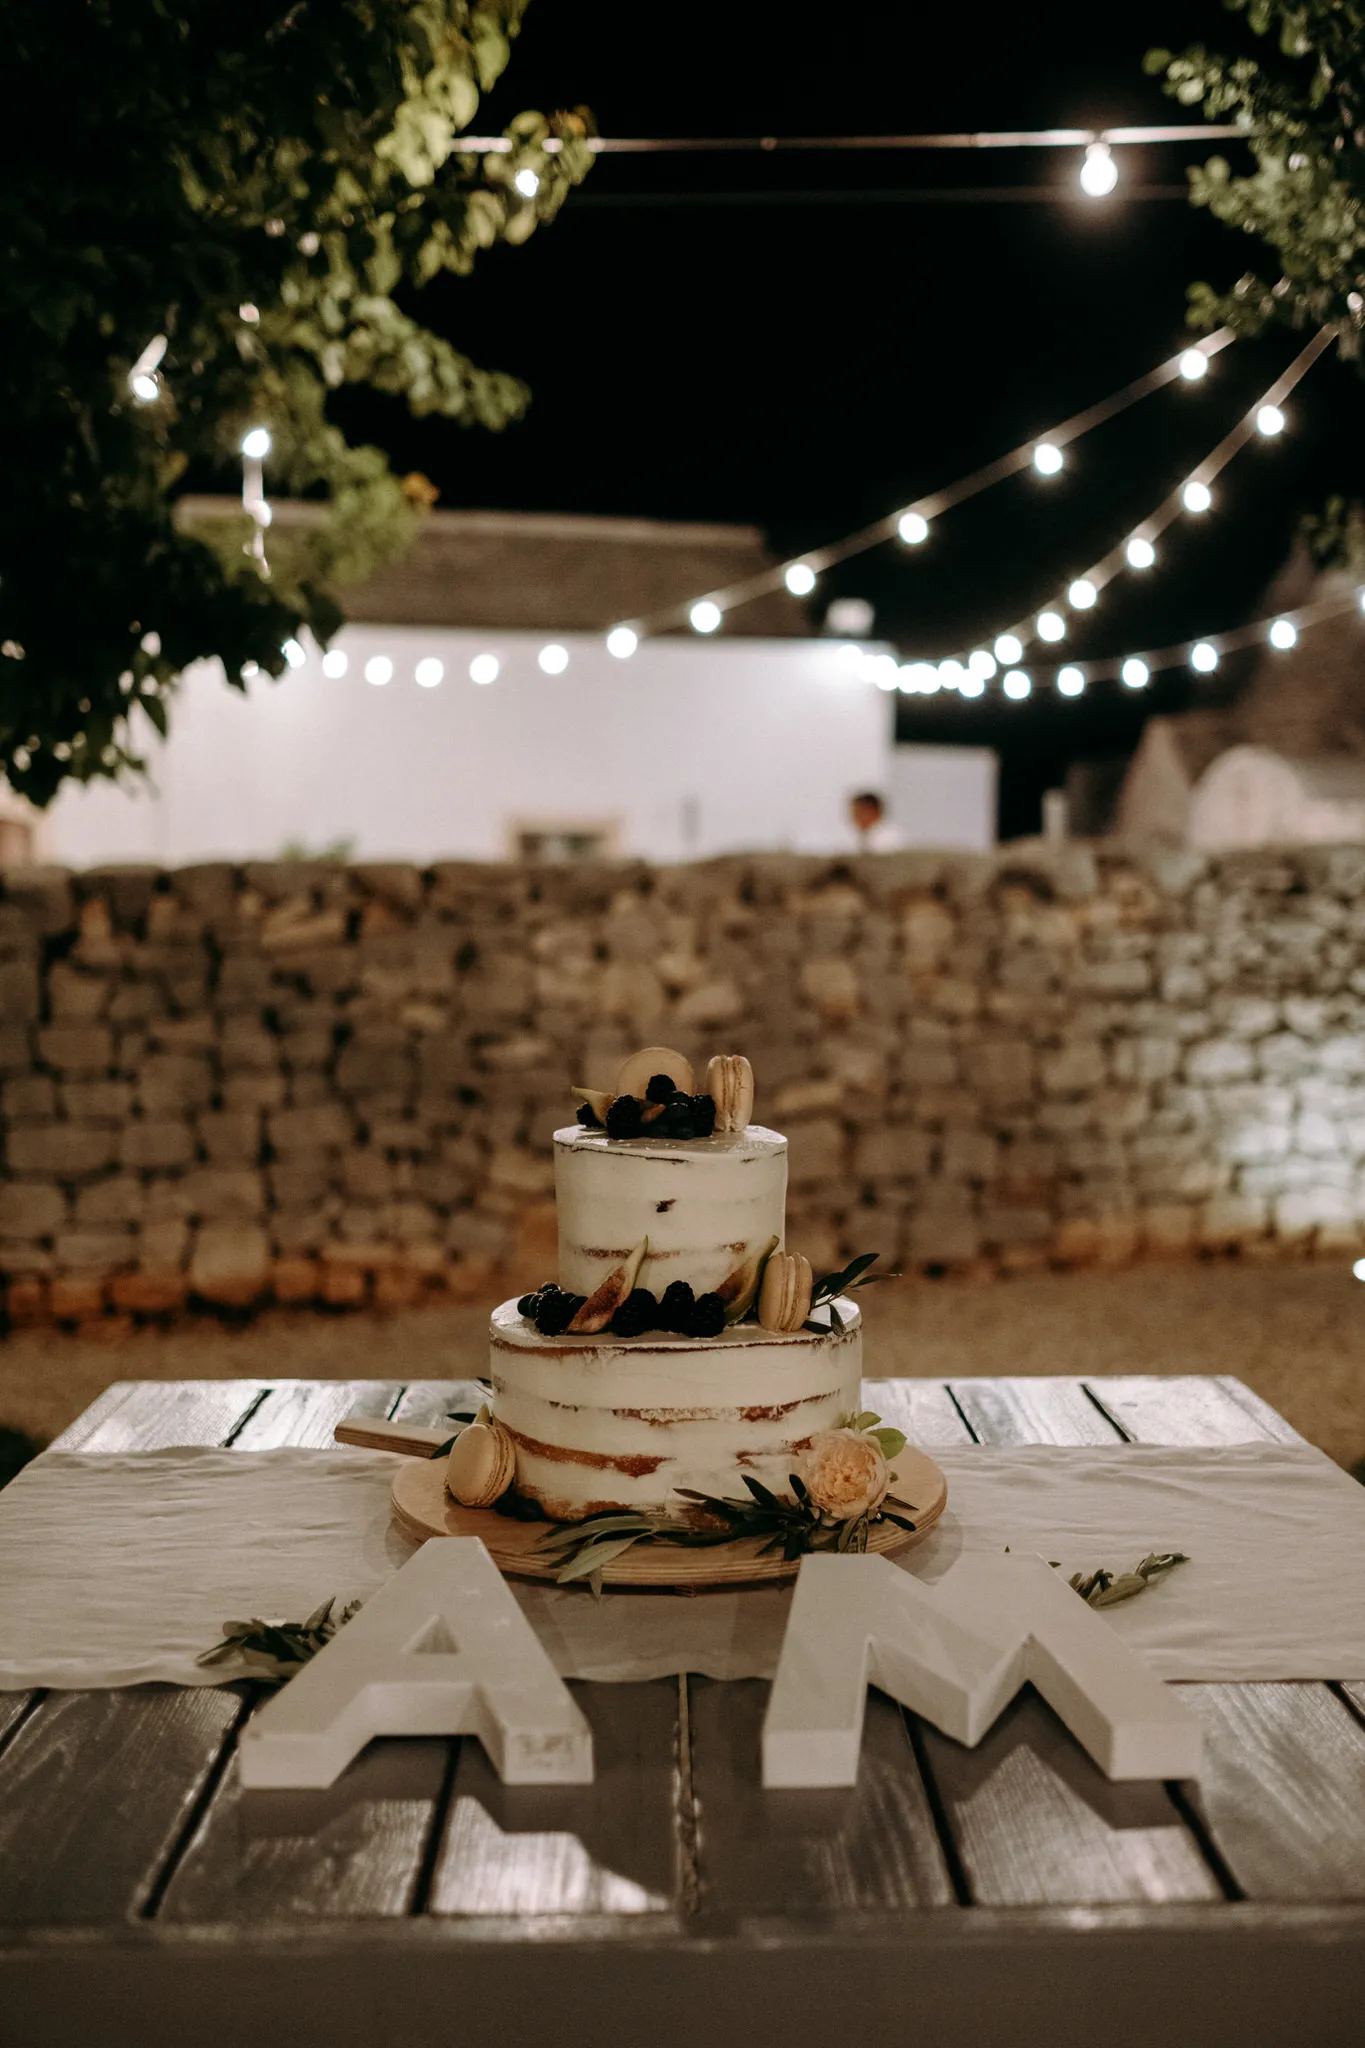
{"x":529,"y":1303}
{"x":638,"y":1312}
{"x":556,"y":1311}
{"x":703,"y":1115}
{"x":676,"y":1120}
{"x":708,"y":1316}
{"x":661,"y":1088}
{"x":675,"y":1310}
{"x":624,"y":1118}
{"x":588,"y":1117}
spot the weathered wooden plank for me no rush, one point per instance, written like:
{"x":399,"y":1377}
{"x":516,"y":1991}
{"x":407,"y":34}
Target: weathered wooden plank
{"x":615,"y":1846}
{"x":155,"y":1415}
{"x":1355,"y":1693}
{"x":430,"y":1401}
{"x":873,"y":1846}
{"x":924,"y":1409}
{"x":1270,"y":1419}
{"x":354,"y":1851}
{"x":1032,"y":1411}
{"x":305,"y":1412}
{"x":95,"y":1790}
{"x":1282,"y":1789}
{"x":1036,"y":1824}
{"x":13,"y":1707}
{"x":1183,"y":1409}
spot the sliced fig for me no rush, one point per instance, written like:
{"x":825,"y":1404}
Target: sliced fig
{"x":739,"y":1289}
{"x":600,"y":1306}
{"x":598,"y":1100}
{"x":640,"y":1069}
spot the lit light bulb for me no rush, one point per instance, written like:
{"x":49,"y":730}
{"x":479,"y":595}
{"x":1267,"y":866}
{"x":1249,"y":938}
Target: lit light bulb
{"x":145,"y":387}
{"x":1008,"y":648}
{"x":1047,"y":458}
{"x":1071,"y":681}
{"x":293,"y":654}
{"x":429,"y":672}
{"x":1204,"y":657}
{"x":256,"y":444}
{"x":882,"y":670}
{"x":1283,"y":633}
{"x":1269,"y":420}
{"x":1099,"y":172}
{"x":1194,"y":364}
{"x":379,"y":670}
{"x":981,"y":664}
{"x":912,"y":528}
{"x":1017,"y":684}
{"x":150,"y":643}
{"x":248,"y":313}
{"x":704,"y":616}
{"x":1140,"y":553}
{"x":1360,"y":597}
{"x":950,"y":674}
{"x":334,"y":663}
{"x":1051,"y":626}
{"x":1135,"y":673}
{"x":907,"y":678}
{"x":930,"y":682}
{"x":1196,"y":496}
{"x":973,"y":684}
{"x":527,"y":183}
{"x":1358,"y":1269}
{"x":622,"y":641}
{"x":553,"y":658}
{"x":485,"y":668}
{"x":800,"y":579}
{"x":1082,"y":594}
{"x":250,"y":670}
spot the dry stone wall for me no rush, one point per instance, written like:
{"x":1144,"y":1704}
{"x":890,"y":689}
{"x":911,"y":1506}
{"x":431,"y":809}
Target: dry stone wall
{"x":311,"y":1083}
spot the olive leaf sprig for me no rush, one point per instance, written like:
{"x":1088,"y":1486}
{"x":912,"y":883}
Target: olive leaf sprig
{"x":853,"y":1276}
{"x":275,"y":1650}
{"x":1106,"y":1589}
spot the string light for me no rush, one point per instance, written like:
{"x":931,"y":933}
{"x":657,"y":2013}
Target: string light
{"x":1047,"y":458}
{"x":1283,"y":634}
{"x":1194,"y":364}
{"x":1269,"y":421}
{"x":981,"y":665}
{"x":973,"y":684}
{"x":256,"y":444}
{"x":293,"y":654}
{"x":553,"y":659}
{"x":485,"y":668}
{"x":379,"y":670}
{"x":143,"y":381}
{"x":527,"y":183}
{"x":622,"y":641}
{"x":1017,"y":684}
{"x":334,"y":663}
{"x":1135,"y":673}
{"x":1204,"y":657}
{"x":1139,"y":552}
{"x":950,"y":674}
{"x":1051,"y":626}
{"x":1196,"y":496}
{"x":429,"y":672}
{"x":249,"y":314}
{"x":1082,"y":594}
{"x":799,"y":579}
{"x":1099,"y":173}
{"x":912,"y":528}
{"x":704,"y":616}
{"x":918,"y":677}
{"x":1071,"y":681}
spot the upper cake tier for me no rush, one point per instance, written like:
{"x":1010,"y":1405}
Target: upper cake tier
{"x":704,"y":1205}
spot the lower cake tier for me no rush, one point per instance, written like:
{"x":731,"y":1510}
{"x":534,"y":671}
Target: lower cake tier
{"x":622,"y":1422}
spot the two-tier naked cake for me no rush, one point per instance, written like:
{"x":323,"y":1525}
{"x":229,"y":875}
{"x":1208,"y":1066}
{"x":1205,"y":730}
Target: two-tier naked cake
{"x":678,"y":1347}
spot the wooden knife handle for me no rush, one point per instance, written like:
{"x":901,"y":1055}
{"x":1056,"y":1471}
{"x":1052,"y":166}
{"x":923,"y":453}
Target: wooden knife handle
{"x":373,"y":1433}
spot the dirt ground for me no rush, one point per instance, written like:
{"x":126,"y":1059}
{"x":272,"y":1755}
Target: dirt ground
{"x":1296,"y":1333}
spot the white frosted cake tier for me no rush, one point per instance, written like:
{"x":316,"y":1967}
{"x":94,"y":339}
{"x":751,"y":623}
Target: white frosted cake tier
{"x":704,"y":1205}
{"x":606,"y":1422}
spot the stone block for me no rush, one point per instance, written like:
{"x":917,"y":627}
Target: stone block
{"x":296,"y":1281}
{"x":156,"y":1142}
{"x":163,"y":1245}
{"x":96,"y":1101}
{"x":76,"y":998}
{"x":1000,"y":1066}
{"x":1112,"y":977}
{"x":891,"y":1152}
{"x":28,"y":1096}
{"x":831,"y":985}
{"x":149,"y":1294}
{"x":30,"y":1210}
{"x":1230,"y":1220}
{"x":75,"y":1298}
{"x":1146,"y":1060}
{"x":254,"y":1091}
{"x":343,"y":1285}
{"x":217,"y":1192}
{"x":969,"y":1155}
{"x":20,"y":994}
{"x":1220,"y":1059}
{"x":396,"y":1287}
{"x":816,"y":1151}
{"x":76,"y":1048}
{"x":196,"y":1033}
{"x":1073,"y":1070}
{"x":471,"y":1233}
{"x":524,"y":1052}
{"x":943,"y":1240}
{"x":1007,"y":1226}
{"x":120,"y":1198}
{"x":306,"y":1130}
{"x":26,"y":1304}
{"x":231,"y":1137}
{"x":1168,"y":1227}
{"x":514,"y":1171}
{"x":230,"y":1263}
{"x":93,"y":1250}
{"x":928,"y":1066}
{"x":1301,"y":1211}
{"x":718,"y":1004}
{"x":61,"y":1151}
{"x":171,"y":1081}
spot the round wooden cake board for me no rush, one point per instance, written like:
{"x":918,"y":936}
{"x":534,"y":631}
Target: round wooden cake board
{"x":423,"y":1508}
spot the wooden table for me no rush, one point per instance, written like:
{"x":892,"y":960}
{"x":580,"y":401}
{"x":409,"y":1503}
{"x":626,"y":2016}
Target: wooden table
{"x":953,"y":1897}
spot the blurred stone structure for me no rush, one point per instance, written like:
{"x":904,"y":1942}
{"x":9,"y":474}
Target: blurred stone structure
{"x":304,"y":1082}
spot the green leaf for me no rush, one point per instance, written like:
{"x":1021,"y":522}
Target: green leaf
{"x":892,"y":1441}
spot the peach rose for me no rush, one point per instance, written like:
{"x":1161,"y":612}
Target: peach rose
{"x":846,"y":1473}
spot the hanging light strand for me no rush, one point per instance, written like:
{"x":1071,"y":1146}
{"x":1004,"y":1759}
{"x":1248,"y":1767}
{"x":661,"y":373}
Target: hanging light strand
{"x":931,"y":506}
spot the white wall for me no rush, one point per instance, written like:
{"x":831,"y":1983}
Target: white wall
{"x":694,"y":747}
{"x":943,"y":796}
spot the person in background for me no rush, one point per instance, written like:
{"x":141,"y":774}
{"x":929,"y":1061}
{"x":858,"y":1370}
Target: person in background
{"x":875,"y":832}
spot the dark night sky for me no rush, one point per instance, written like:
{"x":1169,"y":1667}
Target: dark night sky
{"x":808,"y":366}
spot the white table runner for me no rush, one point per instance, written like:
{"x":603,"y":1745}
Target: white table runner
{"x":117,"y":1569}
